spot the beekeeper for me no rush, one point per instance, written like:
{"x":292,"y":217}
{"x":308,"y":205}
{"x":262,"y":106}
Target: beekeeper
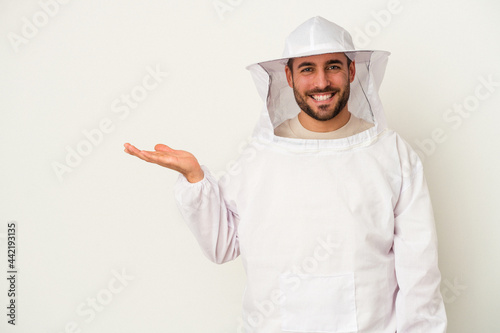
{"x":329,"y":209}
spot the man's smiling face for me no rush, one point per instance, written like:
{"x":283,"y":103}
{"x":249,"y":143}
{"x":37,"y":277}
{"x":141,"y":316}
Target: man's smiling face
{"x":321,"y":83}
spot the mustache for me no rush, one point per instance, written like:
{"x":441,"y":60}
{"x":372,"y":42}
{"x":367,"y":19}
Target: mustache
{"x":323,"y":91}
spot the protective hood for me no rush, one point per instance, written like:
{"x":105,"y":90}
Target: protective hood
{"x":319,"y":36}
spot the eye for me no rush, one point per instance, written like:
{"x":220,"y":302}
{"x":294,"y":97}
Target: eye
{"x":334,"y":67}
{"x":306,"y":70}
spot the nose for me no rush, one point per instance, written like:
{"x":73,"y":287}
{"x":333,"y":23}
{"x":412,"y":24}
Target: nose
{"x":321,"y":79}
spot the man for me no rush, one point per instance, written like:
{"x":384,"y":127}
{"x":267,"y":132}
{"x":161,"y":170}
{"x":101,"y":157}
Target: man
{"x":329,"y":210}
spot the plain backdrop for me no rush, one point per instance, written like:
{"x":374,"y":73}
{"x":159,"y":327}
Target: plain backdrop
{"x":101,"y":245}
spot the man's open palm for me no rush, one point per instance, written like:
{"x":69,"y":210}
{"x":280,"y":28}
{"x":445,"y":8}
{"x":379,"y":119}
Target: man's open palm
{"x":179,"y":160}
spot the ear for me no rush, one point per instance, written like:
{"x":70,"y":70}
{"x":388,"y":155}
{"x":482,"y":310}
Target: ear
{"x":289,"y":76}
{"x":352,"y":71}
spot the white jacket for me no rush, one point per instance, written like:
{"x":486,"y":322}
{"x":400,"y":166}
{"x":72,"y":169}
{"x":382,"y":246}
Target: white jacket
{"x":334,"y":235}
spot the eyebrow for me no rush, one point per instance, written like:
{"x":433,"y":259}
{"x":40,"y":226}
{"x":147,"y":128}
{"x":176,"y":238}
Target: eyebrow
{"x":329,"y":62}
{"x":336,"y":61}
{"x":305,"y":64}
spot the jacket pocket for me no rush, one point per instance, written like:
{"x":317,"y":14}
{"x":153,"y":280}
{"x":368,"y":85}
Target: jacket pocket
{"x":323,"y":303}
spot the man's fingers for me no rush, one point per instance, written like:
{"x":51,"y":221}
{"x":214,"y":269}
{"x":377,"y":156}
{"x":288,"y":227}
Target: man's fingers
{"x":160,"y":156}
{"x":142,"y":156}
{"x":136,"y":152}
{"x":131,"y":149}
{"x":148,"y":156}
{"x":162,"y":147}
{"x":155,"y":157}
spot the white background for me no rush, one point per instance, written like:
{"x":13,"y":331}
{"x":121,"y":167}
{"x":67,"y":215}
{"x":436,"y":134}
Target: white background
{"x":114,"y":213}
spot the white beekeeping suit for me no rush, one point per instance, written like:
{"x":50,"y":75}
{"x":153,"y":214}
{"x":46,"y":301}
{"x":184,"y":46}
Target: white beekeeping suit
{"x":335,"y":235}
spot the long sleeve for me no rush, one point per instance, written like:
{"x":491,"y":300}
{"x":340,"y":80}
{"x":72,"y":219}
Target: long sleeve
{"x":209,"y":218}
{"x":419,"y":304}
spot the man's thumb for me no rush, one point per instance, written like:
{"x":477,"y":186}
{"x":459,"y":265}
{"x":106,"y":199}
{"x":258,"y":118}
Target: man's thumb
{"x":162,"y":147}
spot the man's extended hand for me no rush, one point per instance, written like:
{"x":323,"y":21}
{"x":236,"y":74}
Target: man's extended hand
{"x":178,"y":160}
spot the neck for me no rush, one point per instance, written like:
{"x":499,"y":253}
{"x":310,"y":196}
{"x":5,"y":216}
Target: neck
{"x":333,"y":124}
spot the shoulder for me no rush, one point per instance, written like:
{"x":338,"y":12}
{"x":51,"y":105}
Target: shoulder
{"x":409,"y":161}
{"x":284,"y":130}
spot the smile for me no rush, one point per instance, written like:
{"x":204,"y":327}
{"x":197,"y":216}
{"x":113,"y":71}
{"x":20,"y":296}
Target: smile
{"x":322,"y":97}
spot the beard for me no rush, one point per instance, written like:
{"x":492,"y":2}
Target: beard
{"x":330,"y":111}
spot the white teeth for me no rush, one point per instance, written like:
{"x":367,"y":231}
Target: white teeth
{"x":320,"y":98}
